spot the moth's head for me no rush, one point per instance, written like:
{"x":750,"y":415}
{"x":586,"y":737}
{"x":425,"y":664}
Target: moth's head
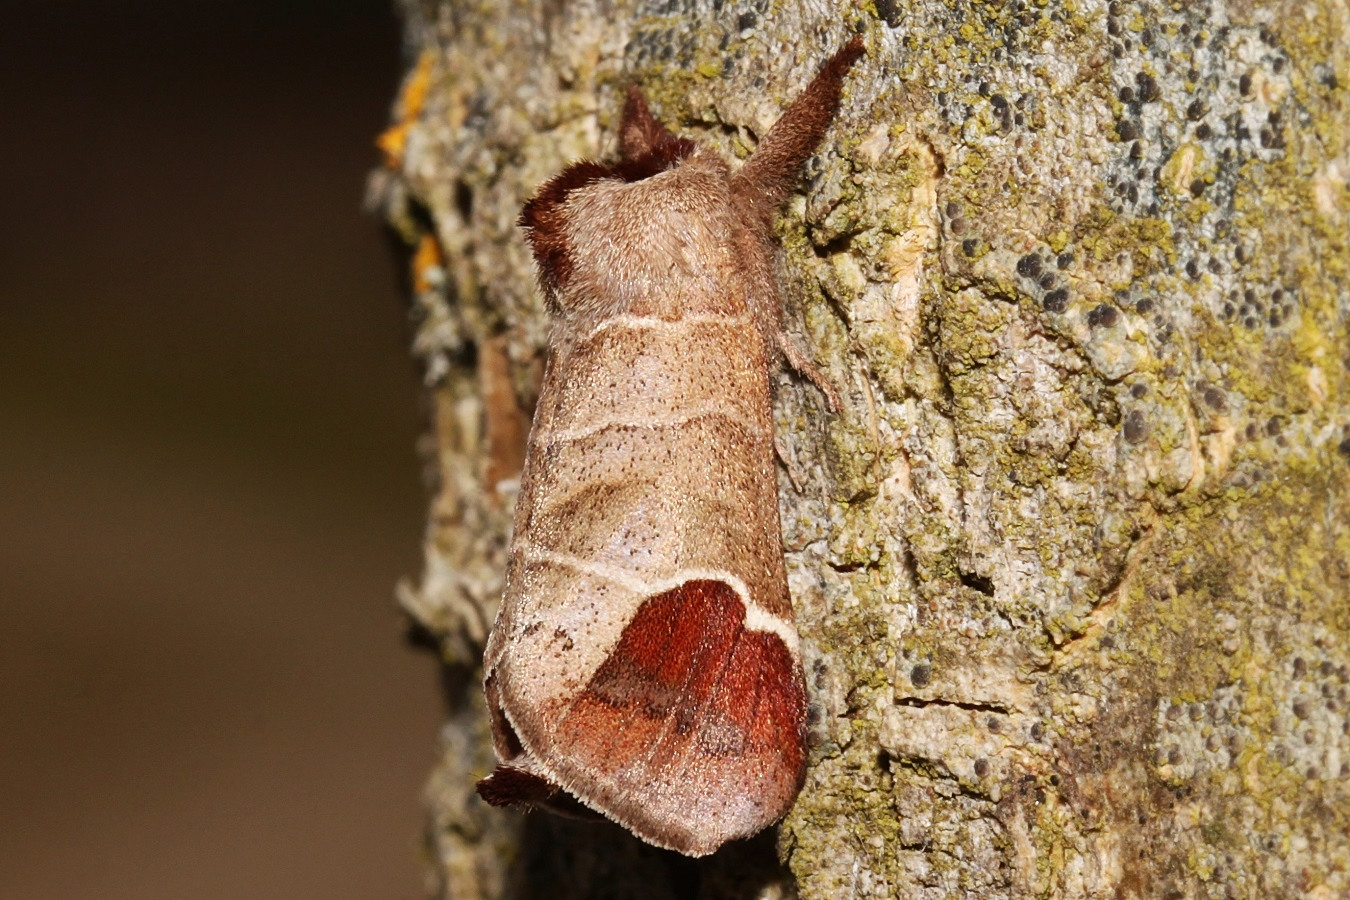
{"x":547,"y":221}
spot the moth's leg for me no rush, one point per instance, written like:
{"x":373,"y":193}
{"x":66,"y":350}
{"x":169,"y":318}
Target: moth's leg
{"x":796,"y":358}
{"x":781,"y":452}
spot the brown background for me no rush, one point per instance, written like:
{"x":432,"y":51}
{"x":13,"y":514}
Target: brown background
{"x":208,"y":484}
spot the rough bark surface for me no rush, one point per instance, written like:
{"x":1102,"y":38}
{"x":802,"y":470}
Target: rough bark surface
{"x":1070,"y":567}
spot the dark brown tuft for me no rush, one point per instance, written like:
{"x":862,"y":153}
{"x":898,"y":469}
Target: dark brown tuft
{"x":770,"y":173}
{"x":639,"y":131}
{"x":655,"y":161}
{"x":645,"y":144}
{"x":545,"y":220}
{"x":509,"y":786}
{"x":648,"y":149}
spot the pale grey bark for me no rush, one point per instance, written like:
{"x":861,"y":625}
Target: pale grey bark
{"x":1070,"y":567}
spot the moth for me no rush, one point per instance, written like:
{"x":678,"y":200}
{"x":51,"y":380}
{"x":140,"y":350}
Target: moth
{"x":644,"y":664}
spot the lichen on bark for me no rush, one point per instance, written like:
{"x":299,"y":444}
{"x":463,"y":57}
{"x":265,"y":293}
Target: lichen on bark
{"x":1070,"y":566}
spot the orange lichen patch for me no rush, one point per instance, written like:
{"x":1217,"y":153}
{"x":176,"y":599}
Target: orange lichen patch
{"x":394,"y":141}
{"x":426,"y":260}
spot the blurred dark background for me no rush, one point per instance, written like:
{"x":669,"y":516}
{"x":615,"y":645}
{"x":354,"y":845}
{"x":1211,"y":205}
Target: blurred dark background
{"x":208,"y":485}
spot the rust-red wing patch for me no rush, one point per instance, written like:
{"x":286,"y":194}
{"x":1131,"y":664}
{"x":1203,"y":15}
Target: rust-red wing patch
{"x":694,"y":704}
{"x":686,"y":656}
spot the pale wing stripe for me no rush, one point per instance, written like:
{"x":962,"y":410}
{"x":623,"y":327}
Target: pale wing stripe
{"x":757,"y":618}
{"x":656,"y":323}
{"x":628,"y":420}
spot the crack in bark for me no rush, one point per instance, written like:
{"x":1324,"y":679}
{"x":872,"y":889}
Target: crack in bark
{"x":968,"y":705}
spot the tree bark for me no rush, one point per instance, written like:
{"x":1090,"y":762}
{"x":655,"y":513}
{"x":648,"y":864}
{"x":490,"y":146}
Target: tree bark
{"x":1070,"y":566}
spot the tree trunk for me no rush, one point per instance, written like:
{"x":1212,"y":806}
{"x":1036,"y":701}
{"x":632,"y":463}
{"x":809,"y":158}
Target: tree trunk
{"x":1070,"y":566}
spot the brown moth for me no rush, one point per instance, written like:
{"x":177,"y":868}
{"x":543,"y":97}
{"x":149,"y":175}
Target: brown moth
{"x":644,"y":664}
